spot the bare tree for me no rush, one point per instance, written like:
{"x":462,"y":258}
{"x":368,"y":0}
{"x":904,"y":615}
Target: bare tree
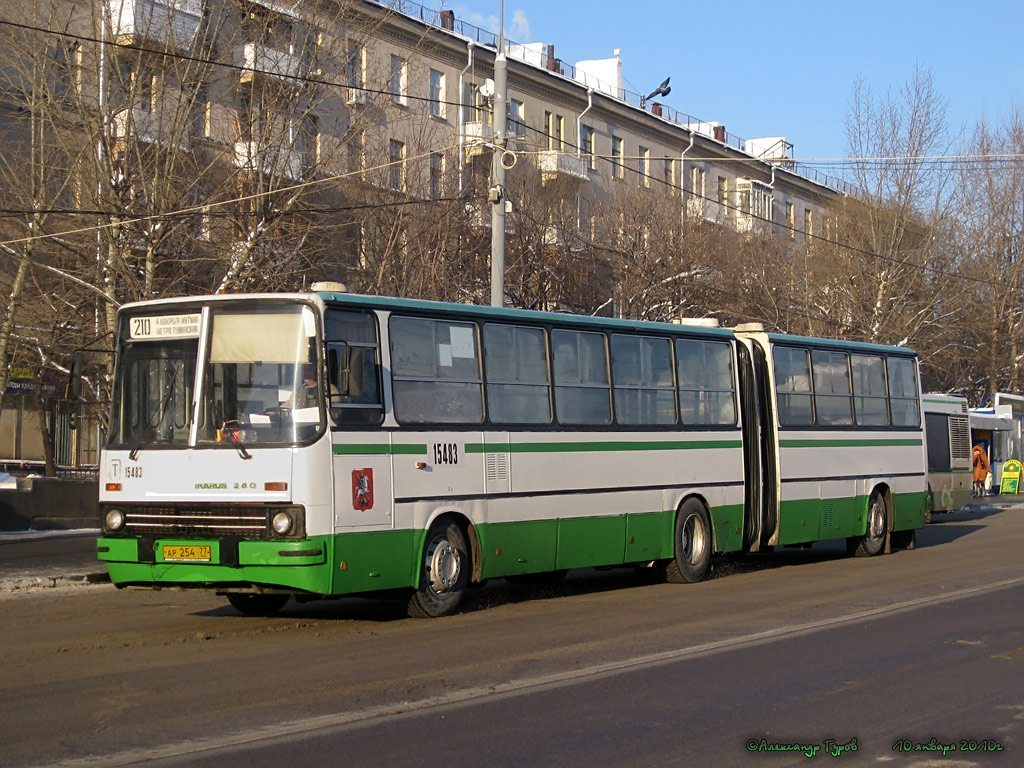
{"x":881,"y":267}
{"x":990,"y":247}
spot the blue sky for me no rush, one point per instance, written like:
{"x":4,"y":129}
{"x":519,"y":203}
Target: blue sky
{"x":788,"y":67}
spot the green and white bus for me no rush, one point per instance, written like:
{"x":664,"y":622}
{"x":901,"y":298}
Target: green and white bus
{"x":327,"y":444}
{"x":950,"y":466}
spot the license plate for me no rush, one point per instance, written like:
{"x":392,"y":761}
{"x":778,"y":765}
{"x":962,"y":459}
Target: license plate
{"x":195,"y":554}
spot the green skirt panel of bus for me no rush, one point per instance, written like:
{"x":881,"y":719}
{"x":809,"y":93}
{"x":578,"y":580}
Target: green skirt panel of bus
{"x":807,"y":520}
{"x":370,"y":561}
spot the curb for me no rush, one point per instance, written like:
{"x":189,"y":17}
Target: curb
{"x":25,"y":584}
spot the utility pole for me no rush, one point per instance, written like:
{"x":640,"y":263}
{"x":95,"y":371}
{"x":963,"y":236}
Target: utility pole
{"x":497,"y":193}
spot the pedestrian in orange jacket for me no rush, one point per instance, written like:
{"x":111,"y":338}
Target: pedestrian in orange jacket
{"x":981,"y":470}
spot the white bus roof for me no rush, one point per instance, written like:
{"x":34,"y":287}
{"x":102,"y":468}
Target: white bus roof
{"x":937,"y":403}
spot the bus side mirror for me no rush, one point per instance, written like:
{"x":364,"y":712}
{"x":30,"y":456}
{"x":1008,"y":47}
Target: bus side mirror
{"x":346,"y":368}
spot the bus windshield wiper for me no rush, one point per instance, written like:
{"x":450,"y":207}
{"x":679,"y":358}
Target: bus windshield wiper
{"x":236,"y":438}
{"x":148,"y":435}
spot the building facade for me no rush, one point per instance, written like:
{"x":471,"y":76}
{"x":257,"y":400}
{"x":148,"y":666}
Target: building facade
{"x":183,"y":146}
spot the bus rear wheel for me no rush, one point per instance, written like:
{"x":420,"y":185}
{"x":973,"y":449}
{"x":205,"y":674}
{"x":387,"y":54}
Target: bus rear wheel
{"x":692,"y":544}
{"x":257,"y":605}
{"x":444,"y":572}
{"x":873,"y":541}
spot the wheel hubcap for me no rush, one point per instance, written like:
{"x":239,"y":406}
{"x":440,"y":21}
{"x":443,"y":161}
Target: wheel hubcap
{"x":693,"y":540}
{"x":877,"y":520}
{"x":443,"y":564}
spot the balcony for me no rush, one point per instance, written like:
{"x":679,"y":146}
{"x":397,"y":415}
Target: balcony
{"x":476,"y":135}
{"x":172,"y":23}
{"x":271,"y":161}
{"x":554,"y":164}
{"x":701,"y":209}
{"x":148,"y":127}
{"x":259,"y":60}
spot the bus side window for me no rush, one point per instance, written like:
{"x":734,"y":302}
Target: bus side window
{"x":869,"y":399}
{"x":833,"y":397}
{"x":353,"y":369}
{"x":793,"y":386}
{"x":706,"y":394}
{"x":582,"y":389}
{"x":644,"y":391}
{"x":904,"y":395}
{"x":435,"y":371}
{"x":518,"y":381}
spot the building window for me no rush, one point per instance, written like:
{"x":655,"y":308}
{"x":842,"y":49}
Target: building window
{"x":515,"y":112}
{"x":791,"y":220}
{"x":617,"y":157}
{"x":437,"y":93}
{"x":398,"y":82}
{"x":354,"y":147}
{"x":697,"y":181}
{"x":745,"y":202}
{"x":139,"y":85}
{"x":587,"y":144}
{"x":586,"y":220}
{"x":67,"y":70}
{"x":644,"y":167}
{"x":396,"y":166}
{"x":354,"y":65}
{"x":808,"y":222}
{"x":723,"y":190}
{"x":199,"y":112}
{"x":470,"y":94}
{"x":670,"y":171}
{"x":554,"y":126}
{"x":355,"y":69}
{"x":309,"y":141}
{"x":436,"y":174}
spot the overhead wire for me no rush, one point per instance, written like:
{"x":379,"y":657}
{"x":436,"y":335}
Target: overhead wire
{"x":615,"y":159}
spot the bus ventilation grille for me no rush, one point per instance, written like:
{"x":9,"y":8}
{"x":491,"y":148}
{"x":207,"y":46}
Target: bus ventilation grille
{"x":959,"y":438}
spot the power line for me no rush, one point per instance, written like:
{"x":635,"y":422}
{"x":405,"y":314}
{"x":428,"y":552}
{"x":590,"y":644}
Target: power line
{"x":852,"y":162}
{"x":203,"y":207}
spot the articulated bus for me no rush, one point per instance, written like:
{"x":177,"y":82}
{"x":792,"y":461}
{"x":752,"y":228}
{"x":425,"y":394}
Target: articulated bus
{"x":950,"y":468}
{"x":315,"y":445}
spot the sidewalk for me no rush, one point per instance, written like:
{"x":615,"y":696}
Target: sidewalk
{"x":35,"y":560}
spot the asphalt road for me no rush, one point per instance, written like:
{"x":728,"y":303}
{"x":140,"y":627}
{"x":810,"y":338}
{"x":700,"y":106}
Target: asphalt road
{"x":792,"y":649}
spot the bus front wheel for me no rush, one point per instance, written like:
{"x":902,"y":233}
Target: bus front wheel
{"x":444,"y":572}
{"x":692,"y":545}
{"x":873,"y":541}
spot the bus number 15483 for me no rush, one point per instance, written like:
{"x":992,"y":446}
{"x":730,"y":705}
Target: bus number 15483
{"x":446,"y":453}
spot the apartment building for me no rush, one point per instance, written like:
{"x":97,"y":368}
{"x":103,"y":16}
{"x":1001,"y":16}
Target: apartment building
{"x":249,"y":144}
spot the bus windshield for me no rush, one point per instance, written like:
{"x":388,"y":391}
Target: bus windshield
{"x":259,"y":383}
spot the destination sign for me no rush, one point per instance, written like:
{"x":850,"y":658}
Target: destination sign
{"x":164,"y":327}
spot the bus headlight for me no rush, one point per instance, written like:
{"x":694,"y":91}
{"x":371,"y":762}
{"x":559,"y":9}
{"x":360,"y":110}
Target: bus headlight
{"x":113,"y":520}
{"x":282,"y":523}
